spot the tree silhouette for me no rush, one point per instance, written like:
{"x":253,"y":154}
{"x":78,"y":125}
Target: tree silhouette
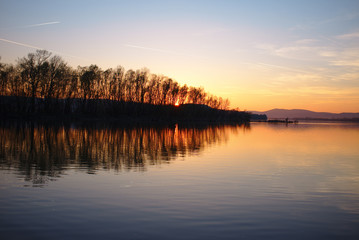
{"x":89,"y":77}
{"x":33,"y":69}
{"x":41,"y":82}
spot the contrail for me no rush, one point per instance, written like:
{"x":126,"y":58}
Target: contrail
{"x":39,"y":48}
{"x":40,"y":24}
{"x":151,"y":49}
{"x":20,"y":44}
{"x":31,"y":26}
{"x":162,"y":51}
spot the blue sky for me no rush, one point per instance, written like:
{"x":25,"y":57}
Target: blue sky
{"x":259,"y":54}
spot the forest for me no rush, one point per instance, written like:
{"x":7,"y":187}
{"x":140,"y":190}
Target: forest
{"x":44,"y":84}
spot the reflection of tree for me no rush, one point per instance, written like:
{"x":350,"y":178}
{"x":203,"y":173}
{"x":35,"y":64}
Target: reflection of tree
{"x":41,"y":152}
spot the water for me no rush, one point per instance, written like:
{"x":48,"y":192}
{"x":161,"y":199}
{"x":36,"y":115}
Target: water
{"x":263,"y":181}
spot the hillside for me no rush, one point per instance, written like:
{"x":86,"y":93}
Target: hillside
{"x":302,"y":114}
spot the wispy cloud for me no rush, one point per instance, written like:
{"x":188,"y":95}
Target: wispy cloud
{"x":320,"y":61}
{"x":346,"y":63}
{"x":317,"y":24}
{"x":40,"y":48}
{"x":348,"y":36}
{"x":348,"y":57}
{"x":305,"y":49}
{"x":308,"y":50}
{"x":276,"y":67}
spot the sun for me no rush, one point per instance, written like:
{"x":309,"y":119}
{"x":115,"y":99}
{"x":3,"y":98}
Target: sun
{"x":177,"y":103}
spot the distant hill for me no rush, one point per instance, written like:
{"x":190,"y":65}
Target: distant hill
{"x":302,"y":114}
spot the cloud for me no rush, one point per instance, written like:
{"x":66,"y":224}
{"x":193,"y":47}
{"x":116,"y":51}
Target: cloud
{"x":348,"y":57}
{"x":316,"y":81}
{"x":348,"y":36}
{"x":328,"y":53}
{"x":306,"y":41}
{"x":321,"y":62}
{"x":304,"y":49}
{"x":276,"y":67}
{"x":324,"y":51}
{"x":318,"y":24}
{"x":346,"y":63}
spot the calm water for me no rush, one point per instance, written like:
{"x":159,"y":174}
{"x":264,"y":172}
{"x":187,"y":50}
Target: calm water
{"x":260,"y":181}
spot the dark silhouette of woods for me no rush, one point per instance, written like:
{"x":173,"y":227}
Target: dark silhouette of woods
{"x":41,"y":84}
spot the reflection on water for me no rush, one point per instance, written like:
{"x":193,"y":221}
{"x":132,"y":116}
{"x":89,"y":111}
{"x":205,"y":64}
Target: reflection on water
{"x":269,"y":181}
{"x":42,"y":152}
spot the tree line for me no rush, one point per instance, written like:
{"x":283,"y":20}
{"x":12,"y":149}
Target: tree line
{"x":40,"y":75}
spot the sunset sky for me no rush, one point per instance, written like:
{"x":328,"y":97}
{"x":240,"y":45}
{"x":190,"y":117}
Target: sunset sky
{"x":259,"y":54}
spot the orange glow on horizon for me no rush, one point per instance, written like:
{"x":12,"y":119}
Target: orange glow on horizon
{"x":177,"y":104}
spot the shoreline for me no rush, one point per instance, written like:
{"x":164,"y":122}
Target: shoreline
{"x":115,"y":111}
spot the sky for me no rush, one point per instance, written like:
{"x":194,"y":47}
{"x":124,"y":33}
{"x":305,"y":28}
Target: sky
{"x":259,"y":54}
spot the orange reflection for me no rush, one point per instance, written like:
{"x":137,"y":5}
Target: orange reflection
{"x":41,"y":151}
{"x":303,"y":145}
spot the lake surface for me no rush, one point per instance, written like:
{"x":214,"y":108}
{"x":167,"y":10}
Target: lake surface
{"x":263,"y":181}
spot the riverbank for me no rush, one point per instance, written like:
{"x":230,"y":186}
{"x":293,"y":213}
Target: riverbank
{"x":114,"y":111}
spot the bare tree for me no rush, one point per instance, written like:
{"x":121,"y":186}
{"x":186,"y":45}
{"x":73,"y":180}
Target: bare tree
{"x":130,"y":79}
{"x":55,"y":78}
{"x":88,"y":77}
{"x":182,"y":96}
{"x":33,"y":70}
